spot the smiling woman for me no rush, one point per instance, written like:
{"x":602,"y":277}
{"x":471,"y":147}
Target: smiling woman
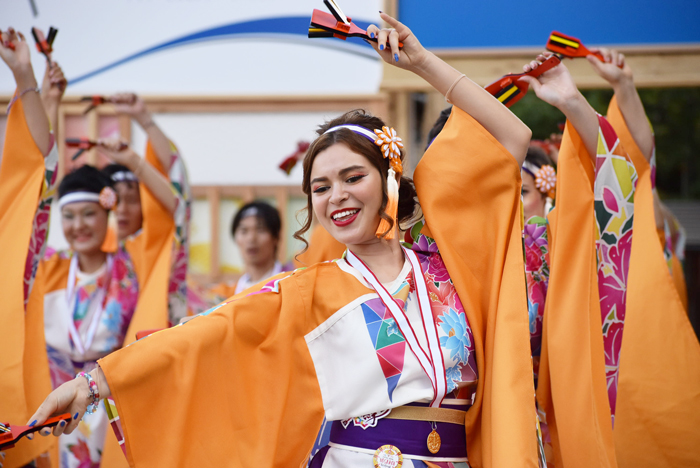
{"x":418,"y":355}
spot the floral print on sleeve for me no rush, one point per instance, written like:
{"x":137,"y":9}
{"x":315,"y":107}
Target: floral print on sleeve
{"x":40,"y":224}
{"x":177,"y":289}
{"x":537,"y":276}
{"x":614,"y":190}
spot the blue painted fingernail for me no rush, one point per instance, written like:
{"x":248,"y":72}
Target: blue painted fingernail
{"x":33,"y":423}
{"x":75,"y":416}
{"x":381,"y":46}
{"x":371,"y":35}
{"x":63,"y":423}
{"x":30,"y":436}
{"x":396,"y":57}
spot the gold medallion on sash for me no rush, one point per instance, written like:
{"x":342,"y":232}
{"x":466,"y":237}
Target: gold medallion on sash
{"x":434,"y":441}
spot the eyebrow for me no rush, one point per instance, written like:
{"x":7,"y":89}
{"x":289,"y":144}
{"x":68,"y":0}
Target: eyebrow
{"x":342,"y":172}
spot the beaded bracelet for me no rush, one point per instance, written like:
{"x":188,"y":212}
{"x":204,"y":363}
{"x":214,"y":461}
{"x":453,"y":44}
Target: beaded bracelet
{"x":94,"y":392}
{"x":17,"y":96}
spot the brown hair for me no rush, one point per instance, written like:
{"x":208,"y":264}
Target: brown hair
{"x":408,"y":201}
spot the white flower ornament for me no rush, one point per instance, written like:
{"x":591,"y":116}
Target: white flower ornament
{"x":108,"y":198}
{"x":391,"y":146}
{"x":546,"y":180}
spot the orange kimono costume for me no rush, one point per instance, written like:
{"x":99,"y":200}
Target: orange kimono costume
{"x":249,"y":382}
{"x":87,"y":316}
{"x":180,"y":185}
{"x":658,"y":412}
{"x":590,"y":240}
{"x":27,"y":186}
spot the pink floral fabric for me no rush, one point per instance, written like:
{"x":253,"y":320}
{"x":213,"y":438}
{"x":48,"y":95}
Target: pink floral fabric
{"x":614,"y":190}
{"x":177,"y":289}
{"x":40,"y":224}
{"x":537,"y":277}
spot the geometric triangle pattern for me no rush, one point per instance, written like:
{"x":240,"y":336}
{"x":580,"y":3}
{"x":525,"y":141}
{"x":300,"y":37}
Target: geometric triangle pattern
{"x":389,"y":343}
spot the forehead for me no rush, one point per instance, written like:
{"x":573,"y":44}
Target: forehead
{"x":77,"y":207}
{"x":126,"y":187}
{"x":250,"y":222}
{"x":334,"y":159}
{"x":527,"y":178}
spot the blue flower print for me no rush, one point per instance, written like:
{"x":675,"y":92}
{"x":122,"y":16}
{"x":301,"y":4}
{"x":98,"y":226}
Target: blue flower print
{"x":532,"y":308}
{"x":454,"y":325}
{"x":392,"y":328}
{"x":454,"y":376}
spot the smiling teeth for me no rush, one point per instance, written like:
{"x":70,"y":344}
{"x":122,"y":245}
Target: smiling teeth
{"x":344,"y":214}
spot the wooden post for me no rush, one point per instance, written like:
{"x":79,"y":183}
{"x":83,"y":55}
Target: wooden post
{"x":214,"y":198}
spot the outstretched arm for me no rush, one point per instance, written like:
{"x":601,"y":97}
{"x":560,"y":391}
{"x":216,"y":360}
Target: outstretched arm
{"x":19,"y":62}
{"x":619,"y":74}
{"x":556,"y":87}
{"x":463,"y":93}
{"x":52,"y":89}
{"x":147,"y":174}
{"x":132,"y":105}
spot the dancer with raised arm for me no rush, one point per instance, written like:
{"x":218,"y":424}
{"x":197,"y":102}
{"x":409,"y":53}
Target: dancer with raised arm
{"x":418,"y":355}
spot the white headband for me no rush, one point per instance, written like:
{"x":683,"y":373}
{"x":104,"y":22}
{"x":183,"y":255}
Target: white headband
{"x":355,"y":128}
{"x":75,"y":197}
{"x":124,"y":176}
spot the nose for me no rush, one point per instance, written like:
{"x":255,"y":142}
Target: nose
{"x":338,"y":194}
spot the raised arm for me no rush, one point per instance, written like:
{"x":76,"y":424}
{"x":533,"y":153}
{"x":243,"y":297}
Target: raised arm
{"x":52,"y":89}
{"x":556,"y":87}
{"x":19,"y":62}
{"x":460,"y":91}
{"x":618,"y":73}
{"x":154,"y":180}
{"x":132,"y":105}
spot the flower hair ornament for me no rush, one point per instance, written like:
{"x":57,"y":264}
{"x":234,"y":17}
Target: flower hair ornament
{"x":390,"y":145}
{"x":545,"y":180}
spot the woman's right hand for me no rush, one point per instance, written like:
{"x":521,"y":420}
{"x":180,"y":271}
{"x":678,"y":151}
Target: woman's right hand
{"x":72,"y":397}
{"x":555,"y":87}
{"x":19,"y":59}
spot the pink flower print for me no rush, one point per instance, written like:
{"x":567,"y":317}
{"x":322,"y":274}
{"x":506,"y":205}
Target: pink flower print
{"x":610,"y":201}
{"x":82,"y":453}
{"x":179,"y":273}
{"x":533,"y":258}
{"x":612,"y":288}
{"x":436,"y":268}
{"x":119,"y":270}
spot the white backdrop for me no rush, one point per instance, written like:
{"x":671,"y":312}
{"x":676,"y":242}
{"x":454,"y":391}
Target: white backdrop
{"x":276,"y":60}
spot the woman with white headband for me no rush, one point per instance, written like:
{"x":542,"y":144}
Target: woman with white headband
{"x":162,"y":154}
{"x":91,"y":300}
{"x":418,"y":355}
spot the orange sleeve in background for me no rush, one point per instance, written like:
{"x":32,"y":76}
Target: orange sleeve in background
{"x":658,"y":411}
{"x":572,"y":387}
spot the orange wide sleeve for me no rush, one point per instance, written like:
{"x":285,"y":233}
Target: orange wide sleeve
{"x":322,"y":248}
{"x":233,"y":387}
{"x":572,"y":388}
{"x":24,"y":371}
{"x":150,"y":251}
{"x":658,"y":409}
{"x":469,"y":189}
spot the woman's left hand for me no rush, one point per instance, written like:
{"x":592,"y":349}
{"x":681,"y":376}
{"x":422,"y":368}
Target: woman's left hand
{"x":410,"y":57}
{"x":116,"y":150}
